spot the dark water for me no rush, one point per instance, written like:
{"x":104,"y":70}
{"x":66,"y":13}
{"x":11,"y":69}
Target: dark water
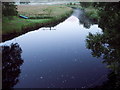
{"x":56,"y":57}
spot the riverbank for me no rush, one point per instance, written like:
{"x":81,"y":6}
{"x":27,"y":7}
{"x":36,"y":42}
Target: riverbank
{"x":39,"y":16}
{"x":92,"y":13}
{"x":74,"y":6}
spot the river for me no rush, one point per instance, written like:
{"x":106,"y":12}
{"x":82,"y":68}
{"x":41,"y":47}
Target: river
{"x":57,"y":57}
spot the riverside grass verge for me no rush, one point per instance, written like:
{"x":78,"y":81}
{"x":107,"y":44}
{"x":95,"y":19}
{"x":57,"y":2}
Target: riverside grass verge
{"x":92,"y":13}
{"x":40,"y":15}
{"x":74,"y":6}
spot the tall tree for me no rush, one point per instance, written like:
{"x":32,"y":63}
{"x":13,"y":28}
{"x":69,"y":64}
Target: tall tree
{"x":9,"y":9}
{"x":107,"y":45}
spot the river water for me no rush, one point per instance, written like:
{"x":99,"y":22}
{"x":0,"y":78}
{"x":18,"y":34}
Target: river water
{"x":57,"y":57}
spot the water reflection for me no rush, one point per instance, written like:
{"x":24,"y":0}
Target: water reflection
{"x":83,"y":19}
{"x":101,"y":46}
{"x":59,"y":58}
{"x":48,"y":28}
{"x":11,"y":62}
{"x":107,"y":46}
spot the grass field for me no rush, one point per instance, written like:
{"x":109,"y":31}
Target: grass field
{"x":38,"y":14}
{"x":42,"y":10}
{"x":17,"y":24}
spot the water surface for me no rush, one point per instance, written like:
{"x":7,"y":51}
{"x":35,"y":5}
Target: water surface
{"x":57,"y":57}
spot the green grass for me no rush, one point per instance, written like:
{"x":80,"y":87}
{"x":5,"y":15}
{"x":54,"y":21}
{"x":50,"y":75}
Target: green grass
{"x":16,"y":24}
{"x":92,"y":13}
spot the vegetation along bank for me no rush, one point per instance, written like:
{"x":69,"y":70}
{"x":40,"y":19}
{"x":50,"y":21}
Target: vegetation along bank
{"x":38,"y":16}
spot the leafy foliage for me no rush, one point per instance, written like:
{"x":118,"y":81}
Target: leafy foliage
{"x":107,"y":45}
{"x":86,"y":4}
{"x":9,"y":9}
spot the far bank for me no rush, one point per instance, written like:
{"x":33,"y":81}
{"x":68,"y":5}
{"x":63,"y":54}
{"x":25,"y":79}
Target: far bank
{"x":39,"y":16}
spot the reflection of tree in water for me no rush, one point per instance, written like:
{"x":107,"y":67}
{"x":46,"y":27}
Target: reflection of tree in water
{"x":107,"y":45}
{"x":84,"y":20}
{"x":101,"y":46}
{"x":11,"y":62}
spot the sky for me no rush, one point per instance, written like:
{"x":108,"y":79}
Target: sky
{"x":61,"y":0}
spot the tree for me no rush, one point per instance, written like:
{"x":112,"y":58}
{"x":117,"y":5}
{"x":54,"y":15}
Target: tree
{"x":9,"y":9}
{"x":86,"y":4}
{"x":24,"y":1}
{"x":107,"y":45}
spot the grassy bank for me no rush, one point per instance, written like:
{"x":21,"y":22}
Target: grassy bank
{"x":74,"y":6}
{"x":38,"y":16}
{"x":17,"y":24}
{"x":91,"y":12}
